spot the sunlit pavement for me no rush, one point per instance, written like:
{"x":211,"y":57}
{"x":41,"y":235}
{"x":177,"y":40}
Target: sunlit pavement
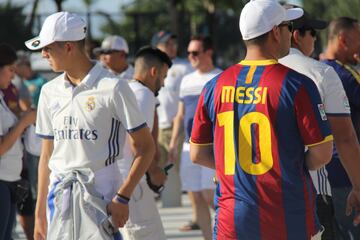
{"x":173,"y":219}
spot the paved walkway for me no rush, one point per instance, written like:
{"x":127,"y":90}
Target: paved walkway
{"x":173,"y":219}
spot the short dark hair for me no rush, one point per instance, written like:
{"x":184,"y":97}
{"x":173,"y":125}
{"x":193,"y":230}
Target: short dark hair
{"x":259,"y":40}
{"x":207,"y":42}
{"x":152,"y":56}
{"x":7,"y":55}
{"x":341,"y":24}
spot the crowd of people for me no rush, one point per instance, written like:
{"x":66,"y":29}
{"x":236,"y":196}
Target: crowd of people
{"x":270,"y":144}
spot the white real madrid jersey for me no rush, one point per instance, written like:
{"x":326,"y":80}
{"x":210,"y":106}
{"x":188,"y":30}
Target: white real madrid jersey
{"x":88,"y":123}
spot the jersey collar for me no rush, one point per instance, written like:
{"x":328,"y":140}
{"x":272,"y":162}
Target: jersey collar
{"x":90,"y":79}
{"x":259,"y":62}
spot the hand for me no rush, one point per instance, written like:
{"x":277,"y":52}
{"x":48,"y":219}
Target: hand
{"x":157,"y":176}
{"x":28,"y":118}
{"x":119,"y":213}
{"x":40,"y":229}
{"x":173,"y":154}
{"x":353,"y":204}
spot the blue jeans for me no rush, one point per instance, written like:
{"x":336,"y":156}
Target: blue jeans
{"x":345,"y":228}
{"x":7,"y":210}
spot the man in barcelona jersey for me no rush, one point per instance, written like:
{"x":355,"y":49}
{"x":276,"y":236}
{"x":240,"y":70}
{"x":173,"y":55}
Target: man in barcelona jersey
{"x":83,"y":117}
{"x":252,"y":124}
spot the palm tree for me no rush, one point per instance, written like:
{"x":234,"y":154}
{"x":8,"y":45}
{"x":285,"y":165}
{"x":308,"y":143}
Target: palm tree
{"x":88,"y":4}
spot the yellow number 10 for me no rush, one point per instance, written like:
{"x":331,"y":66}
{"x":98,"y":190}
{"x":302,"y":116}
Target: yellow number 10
{"x":226,"y":120}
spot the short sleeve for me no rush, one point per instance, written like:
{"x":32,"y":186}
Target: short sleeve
{"x":44,"y":127}
{"x":335,"y":101}
{"x":126,"y":107}
{"x":202,"y":130}
{"x":310,"y":115}
{"x":146,"y":101}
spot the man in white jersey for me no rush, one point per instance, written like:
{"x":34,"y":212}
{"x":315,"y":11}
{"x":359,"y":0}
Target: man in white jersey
{"x":113,"y":52}
{"x":336,"y":107}
{"x":196,"y":180}
{"x":83,"y":116}
{"x":151,"y":66}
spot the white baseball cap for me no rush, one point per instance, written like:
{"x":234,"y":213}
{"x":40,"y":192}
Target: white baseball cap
{"x":260,"y":16}
{"x":60,"y":26}
{"x":112,"y":43}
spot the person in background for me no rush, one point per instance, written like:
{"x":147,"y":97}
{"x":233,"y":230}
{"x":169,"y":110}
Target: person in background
{"x":113,"y":53}
{"x":342,"y":52}
{"x":11,"y":150}
{"x":196,"y":180}
{"x":168,"y":104}
{"x":33,"y":82}
{"x":151,"y":66}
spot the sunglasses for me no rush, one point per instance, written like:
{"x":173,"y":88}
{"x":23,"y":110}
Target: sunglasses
{"x":194,"y":53}
{"x":110,"y":51}
{"x":289,"y":25}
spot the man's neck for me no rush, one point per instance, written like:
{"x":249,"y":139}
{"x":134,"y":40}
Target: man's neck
{"x":121,"y":69}
{"x":206,"y":68}
{"x":255,"y":52}
{"x":334,"y":53}
{"x":77,"y":73}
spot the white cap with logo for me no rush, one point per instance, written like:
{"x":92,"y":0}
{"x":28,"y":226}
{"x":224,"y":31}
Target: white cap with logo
{"x":260,"y":16}
{"x":60,"y":26}
{"x":111,"y":43}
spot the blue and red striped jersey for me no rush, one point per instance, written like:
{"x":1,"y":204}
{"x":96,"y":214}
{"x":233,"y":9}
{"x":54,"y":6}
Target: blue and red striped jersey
{"x":259,"y":116}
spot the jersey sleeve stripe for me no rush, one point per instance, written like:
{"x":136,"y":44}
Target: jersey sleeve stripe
{"x":137,"y":128}
{"x":200,"y":144}
{"x":327,"y":139}
{"x":45,"y":136}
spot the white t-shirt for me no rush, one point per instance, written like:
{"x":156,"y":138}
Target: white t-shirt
{"x":128,"y":74}
{"x":88,"y":122}
{"x":332,"y":95}
{"x":169,"y":94}
{"x":147,"y":103}
{"x":11,"y":161}
{"x":190,"y":90}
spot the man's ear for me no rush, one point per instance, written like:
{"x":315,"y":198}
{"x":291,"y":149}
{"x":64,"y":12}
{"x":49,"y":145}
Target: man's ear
{"x":275,"y":32}
{"x":69,"y":46}
{"x":153,"y":71}
{"x":296,"y":36}
{"x":342,"y":40}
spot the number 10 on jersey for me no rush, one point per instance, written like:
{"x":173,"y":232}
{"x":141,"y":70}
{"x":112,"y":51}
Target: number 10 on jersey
{"x":245,"y":140}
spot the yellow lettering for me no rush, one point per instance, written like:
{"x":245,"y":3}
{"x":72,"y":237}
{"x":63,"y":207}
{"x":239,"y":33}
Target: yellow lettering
{"x":257,"y":95}
{"x":249,"y":95}
{"x":227,"y":94}
{"x":240,"y":95}
{"x":264,"y":95}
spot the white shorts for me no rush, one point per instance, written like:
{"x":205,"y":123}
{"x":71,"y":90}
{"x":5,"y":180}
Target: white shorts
{"x":194,"y":178}
{"x":144,"y":220}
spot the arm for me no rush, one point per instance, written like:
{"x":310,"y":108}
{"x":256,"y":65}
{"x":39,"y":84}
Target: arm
{"x":157,"y":175}
{"x":202,"y":154}
{"x":348,"y":148}
{"x":318,"y":155}
{"x":177,"y":128}
{"x":7,"y":141}
{"x":143,"y":149}
{"x":43,"y":183}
